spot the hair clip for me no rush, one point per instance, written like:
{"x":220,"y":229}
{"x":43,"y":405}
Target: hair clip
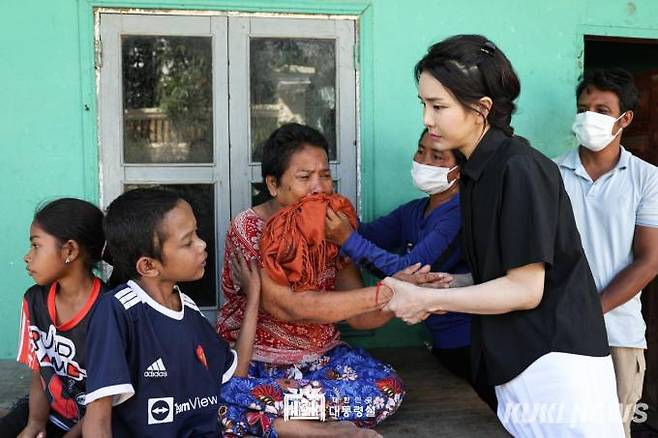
{"x":489,"y":48}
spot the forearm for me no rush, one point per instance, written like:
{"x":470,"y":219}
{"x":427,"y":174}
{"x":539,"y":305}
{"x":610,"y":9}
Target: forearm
{"x":370,"y":320}
{"x":363,"y":251}
{"x":245,"y":342}
{"x":324,"y":307}
{"x":38,"y":403}
{"x":627,"y":284}
{"x":383,"y":232}
{"x":75,"y":431}
{"x":502,"y":295}
{"x":98,"y":419}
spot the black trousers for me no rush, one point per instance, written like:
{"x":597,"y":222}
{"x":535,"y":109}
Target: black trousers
{"x":458,"y":362}
{"x":15,"y":421}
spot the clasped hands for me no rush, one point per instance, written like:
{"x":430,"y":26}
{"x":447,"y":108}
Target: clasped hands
{"x":411,"y":292}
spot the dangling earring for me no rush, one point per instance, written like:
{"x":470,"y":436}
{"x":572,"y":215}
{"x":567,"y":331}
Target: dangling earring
{"x":67,"y":261}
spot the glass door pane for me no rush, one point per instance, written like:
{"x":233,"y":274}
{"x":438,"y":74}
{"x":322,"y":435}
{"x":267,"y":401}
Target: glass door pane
{"x":167,"y":99}
{"x":290,"y":70}
{"x":163,"y":120}
{"x":292,"y":80}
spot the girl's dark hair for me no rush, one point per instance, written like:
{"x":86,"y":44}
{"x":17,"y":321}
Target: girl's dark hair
{"x":472,"y":67}
{"x":617,"y":80}
{"x":133,"y":228}
{"x":459,"y":156}
{"x":283,"y":143}
{"x":74,"y":219}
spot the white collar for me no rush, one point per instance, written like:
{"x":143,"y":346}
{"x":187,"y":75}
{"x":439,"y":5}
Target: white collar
{"x":146,"y":299}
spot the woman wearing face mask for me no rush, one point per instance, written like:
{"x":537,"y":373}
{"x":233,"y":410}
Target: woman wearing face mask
{"x":425,"y":231}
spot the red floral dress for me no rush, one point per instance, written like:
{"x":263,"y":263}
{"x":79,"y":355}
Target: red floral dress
{"x":296,"y":360}
{"x":277,"y":342}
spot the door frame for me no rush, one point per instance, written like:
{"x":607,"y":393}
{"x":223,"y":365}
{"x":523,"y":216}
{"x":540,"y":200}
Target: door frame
{"x":95,"y":181}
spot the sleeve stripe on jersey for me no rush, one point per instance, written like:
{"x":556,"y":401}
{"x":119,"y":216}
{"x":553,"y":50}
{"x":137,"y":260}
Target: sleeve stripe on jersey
{"x":191,"y":305}
{"x":189,"y":302}
{"x":119,"y":393}
{"x":122,"y":292}
{"x":229,"y":373}
{"x":128,"y":298}
{"x":128,"y":303}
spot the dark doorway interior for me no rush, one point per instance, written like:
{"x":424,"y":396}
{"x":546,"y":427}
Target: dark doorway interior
{"x":640,"y":57}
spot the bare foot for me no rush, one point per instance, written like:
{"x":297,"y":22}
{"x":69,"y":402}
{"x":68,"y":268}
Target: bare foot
{"x":316,"y":429}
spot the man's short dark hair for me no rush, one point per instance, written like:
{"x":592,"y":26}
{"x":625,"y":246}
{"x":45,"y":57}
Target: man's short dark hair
{"x":617,"y":80}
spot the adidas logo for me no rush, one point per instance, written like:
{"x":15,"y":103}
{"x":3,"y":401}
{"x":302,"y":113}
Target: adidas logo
{"x":156,"y":369}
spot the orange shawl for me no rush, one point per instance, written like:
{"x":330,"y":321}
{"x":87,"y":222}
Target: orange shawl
{"x":293,"y":248}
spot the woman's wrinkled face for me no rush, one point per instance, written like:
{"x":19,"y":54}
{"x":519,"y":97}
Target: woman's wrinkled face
{"x":308,"y":173}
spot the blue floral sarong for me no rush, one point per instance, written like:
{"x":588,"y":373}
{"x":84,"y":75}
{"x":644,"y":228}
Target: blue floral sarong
{"x":343,"y":384}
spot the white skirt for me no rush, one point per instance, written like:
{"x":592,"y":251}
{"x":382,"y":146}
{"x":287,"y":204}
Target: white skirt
{"x":562,"y":395}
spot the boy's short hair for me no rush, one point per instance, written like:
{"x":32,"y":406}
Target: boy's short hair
{"x":616,"y":80}
{"x":133,"y":228}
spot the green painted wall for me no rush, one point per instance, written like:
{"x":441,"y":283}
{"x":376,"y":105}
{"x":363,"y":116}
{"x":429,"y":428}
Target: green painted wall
{"x":48,"y":108}
{"x":41,"y":135}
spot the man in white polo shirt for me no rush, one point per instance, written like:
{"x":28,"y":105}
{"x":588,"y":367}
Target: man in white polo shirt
{"x":615,"y":201}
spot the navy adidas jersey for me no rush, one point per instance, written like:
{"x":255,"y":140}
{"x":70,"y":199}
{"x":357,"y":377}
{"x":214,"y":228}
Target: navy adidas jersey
{"x":57,"y":351}
{"x":162,"y":368}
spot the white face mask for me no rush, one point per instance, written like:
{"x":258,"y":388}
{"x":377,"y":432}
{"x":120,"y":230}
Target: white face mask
{"x":431,"y":179}
{"x":594,"y":130}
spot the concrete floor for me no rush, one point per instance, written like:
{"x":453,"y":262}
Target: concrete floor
{"x":14,"y":383}
{"x":437,"y":404}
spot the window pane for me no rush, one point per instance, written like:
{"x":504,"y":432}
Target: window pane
{"x":201,"y":198}
{"x":292,"y":80}
{"x":167,"y":99}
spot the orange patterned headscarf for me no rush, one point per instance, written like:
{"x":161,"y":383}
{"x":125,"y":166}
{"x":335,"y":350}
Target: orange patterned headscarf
{"x":293,"y":247}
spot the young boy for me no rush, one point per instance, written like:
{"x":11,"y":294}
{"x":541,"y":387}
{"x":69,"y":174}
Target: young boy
{"x":155,"y":364}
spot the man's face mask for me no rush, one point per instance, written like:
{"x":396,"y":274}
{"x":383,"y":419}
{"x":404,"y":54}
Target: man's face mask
{"x":594,"y":131}
{"x":431,"y":179}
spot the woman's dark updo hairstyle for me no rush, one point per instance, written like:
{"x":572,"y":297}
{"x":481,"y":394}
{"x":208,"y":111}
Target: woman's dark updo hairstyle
{"x":472,"y":67}
{"x":74,"y":219}
{"x":460,"y":158}
{"x":283,"y":143}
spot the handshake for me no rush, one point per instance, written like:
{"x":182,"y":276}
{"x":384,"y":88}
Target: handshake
{"x":412,"y":287}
